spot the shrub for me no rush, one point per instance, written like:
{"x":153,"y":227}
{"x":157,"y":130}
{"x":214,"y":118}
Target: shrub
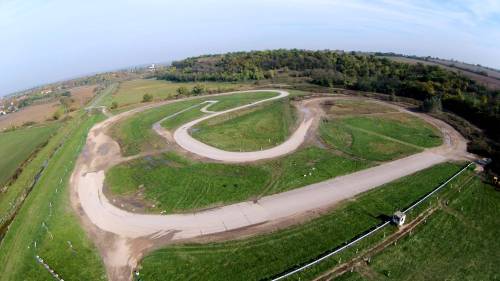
{"x":57,"y":115}
{"x":147,"y":98}
{"x":28,"y":123}
{"x":432,"y":104}
{"x":198,"y":90}
{"x":182,"y":91}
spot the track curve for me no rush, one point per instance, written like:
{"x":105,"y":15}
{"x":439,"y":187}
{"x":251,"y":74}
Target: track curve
{"x":187,"y":142}
{"x":102,"y":152}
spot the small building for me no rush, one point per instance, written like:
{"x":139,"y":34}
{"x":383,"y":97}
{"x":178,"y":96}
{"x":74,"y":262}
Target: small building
{"x":152,"y":67}
{"x":12,"y":108}
{"x":398,"y":218}
{"x":46,"y":91}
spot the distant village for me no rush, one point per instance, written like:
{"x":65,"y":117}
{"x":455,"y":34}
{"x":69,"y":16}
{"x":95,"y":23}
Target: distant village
{"x":16,"y":101}
{"x":6,"y":109}
{"x":13,"y":104}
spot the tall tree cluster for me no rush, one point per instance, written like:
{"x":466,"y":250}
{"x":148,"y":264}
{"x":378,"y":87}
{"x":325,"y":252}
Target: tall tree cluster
{"x":429,"y":83}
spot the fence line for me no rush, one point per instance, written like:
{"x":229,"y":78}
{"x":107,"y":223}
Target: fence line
{"x":353,"y":242}
{"x":47,"y":267}
{"x":436,"y":189}
{"x":333,"y":252}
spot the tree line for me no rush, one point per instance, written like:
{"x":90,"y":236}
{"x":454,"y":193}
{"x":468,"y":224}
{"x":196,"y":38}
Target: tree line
{"x":450,"y":90}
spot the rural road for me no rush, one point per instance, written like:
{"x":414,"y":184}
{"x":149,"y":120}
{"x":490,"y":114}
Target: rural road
{"x":101,"y":217}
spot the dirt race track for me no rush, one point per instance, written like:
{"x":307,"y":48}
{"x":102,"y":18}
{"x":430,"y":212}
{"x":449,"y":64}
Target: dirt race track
{"x":123,"y":237}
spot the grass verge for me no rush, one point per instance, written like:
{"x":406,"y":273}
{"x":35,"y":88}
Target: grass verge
{"x":264,"y":256}
{"x":46,"y":225}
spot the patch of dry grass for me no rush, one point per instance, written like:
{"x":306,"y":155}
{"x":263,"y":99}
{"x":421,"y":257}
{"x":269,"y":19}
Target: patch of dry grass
{"x":354,"y":107}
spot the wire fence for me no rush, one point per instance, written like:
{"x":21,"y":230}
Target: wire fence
{"x":435,"y":190}
{"x":370,"y":232}
{"x":334,"y":252}
{"x":47,"y":267}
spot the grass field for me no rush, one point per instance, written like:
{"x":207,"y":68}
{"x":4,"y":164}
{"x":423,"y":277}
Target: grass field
{"x":264,"y":256}
{"x":361,"y":143}
{"x":379,"y":138}
{"x":17,"y":146}
{"x":136,"y":135}
{"x":13,"y":196}
{"x":131,"y":92}
{"x":459,"y":242}
{"x":176,"y":184}
{"x":81,"y":96}
{"x":223,"y":103}
{"x":209,"y":185}
{"x":46,"y":224}
{"x":105,"y":97}
{"x":249,"y":130}
{"x":403,"y":127}
{"x":355,"y":107}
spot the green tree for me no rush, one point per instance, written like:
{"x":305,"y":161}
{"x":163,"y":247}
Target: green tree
{"x":114,"y":105}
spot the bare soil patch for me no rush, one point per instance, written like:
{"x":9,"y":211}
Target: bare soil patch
{"x":35,"y":113}
{"x":82,"y":95}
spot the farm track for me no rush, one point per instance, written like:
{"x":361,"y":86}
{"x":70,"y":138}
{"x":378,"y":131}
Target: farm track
{"x":123,"y":237}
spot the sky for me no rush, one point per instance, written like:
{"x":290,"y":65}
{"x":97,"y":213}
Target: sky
{"x":52,"y":40}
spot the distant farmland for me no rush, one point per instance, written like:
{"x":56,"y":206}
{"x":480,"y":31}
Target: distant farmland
{"x":82,"y":95}
{"x":34,"y":113}
{"x":131,"y":92}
